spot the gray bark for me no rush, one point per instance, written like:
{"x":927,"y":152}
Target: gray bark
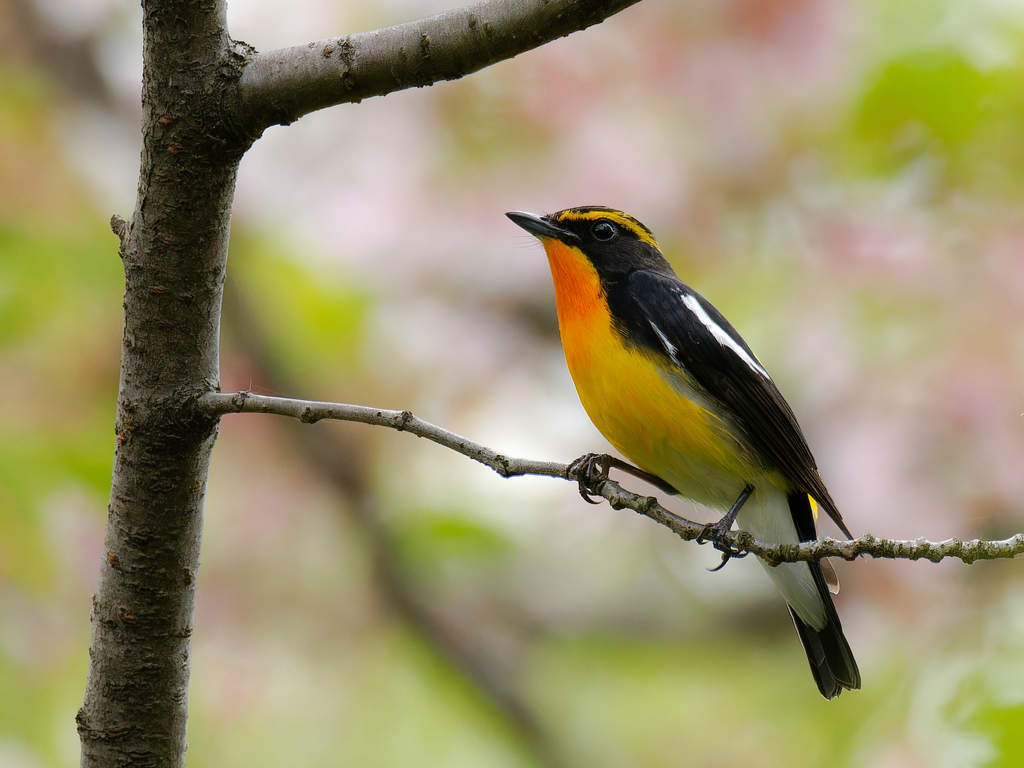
{"x":174,"y":251}
{"x":281,"y":86}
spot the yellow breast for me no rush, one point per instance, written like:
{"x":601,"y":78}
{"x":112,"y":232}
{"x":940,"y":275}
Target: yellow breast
{"x":635,"y":400}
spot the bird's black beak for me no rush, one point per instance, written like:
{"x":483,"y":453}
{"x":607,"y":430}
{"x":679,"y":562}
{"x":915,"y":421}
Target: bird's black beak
{"x":540,"y":226}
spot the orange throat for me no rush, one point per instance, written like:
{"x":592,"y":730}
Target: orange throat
{"x":578,"y":292}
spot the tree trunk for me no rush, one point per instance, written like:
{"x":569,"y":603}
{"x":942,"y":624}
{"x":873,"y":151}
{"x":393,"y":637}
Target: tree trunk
{"x":199,"y":116}
{"x":174,"y":252}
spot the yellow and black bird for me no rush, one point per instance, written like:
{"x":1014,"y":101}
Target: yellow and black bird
{"x":670,"y":383}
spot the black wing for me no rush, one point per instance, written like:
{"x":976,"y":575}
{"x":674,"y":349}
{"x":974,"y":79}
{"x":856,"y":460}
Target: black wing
{"x":685,"y":327}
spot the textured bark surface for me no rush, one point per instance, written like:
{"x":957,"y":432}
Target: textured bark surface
{"x":281,"y":86}
{"x":174,"y":251}
{"x":198,"y":120}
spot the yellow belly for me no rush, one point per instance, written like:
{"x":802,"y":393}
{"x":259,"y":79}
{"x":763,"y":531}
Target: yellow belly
{"x":637,"y":403}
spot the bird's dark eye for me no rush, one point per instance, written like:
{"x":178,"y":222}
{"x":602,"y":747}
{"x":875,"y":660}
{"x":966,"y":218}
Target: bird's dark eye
{"x":603,"y":230}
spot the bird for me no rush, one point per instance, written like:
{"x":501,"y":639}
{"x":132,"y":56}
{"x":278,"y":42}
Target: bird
{"x":674,"y":388}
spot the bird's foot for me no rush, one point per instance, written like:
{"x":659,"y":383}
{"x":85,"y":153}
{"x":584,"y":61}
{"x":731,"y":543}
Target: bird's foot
{"x":589,"y":471}
{"x":592,"y":469}
{"x":718,"y":533}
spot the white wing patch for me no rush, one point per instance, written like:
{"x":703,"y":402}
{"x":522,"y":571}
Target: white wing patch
{"x":720,"y":335}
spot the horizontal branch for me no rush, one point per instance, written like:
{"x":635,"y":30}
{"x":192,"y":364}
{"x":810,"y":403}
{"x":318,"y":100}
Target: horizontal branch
{"x":217,"y":404}
{"x":278,"y":87}
{"x":867,"y":544}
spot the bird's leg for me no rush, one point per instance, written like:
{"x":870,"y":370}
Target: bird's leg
{"x":723,"y":526}
{"x":593,"y":468}
{"x":647,"y":477}
{"x":718,"y":531}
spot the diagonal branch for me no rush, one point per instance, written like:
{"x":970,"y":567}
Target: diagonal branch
{"x":311,"y":411}
{"x":279,"y":87}
{"x":217,"y":404}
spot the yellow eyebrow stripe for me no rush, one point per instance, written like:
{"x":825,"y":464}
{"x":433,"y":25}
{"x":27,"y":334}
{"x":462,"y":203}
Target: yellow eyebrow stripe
{"x":624,"y":220}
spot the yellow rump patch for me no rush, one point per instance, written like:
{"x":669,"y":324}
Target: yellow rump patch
{"x":624,"y":220}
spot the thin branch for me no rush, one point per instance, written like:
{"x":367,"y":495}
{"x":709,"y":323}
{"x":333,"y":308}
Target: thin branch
{"x":217,"y":404}
{"x":278,"y":87}
{"x":311,"y":411}
{"x":867,"y":544}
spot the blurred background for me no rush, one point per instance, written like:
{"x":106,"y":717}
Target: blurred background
{"x":844,"y":180}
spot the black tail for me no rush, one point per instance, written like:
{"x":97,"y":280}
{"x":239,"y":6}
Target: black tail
{"x":830,"y":657}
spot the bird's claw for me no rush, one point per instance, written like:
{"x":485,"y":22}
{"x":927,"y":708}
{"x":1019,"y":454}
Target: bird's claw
{"x":589,"y":471}
{"x":726,"y":557}
{"x":718,"y":535}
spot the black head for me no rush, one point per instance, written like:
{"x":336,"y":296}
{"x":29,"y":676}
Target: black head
{"x":614,"y":242}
